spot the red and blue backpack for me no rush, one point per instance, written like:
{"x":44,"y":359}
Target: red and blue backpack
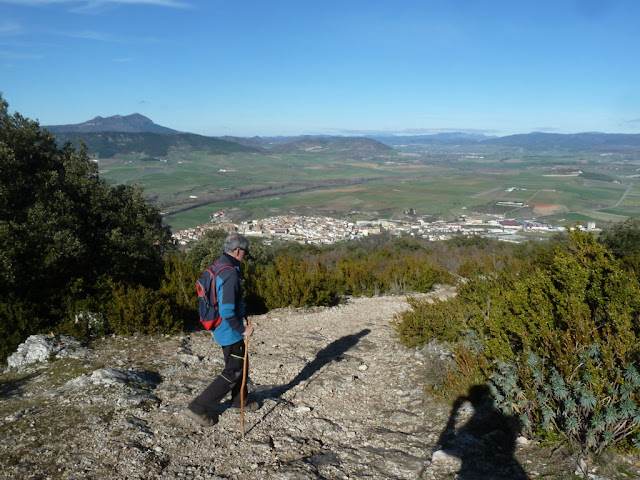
{"x":207,"y":298}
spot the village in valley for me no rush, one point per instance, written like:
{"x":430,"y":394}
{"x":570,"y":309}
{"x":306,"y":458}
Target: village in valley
{"x":326,"y":230}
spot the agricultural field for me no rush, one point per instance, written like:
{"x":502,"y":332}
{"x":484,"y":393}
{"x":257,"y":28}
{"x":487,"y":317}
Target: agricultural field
{"x":441,"y":182}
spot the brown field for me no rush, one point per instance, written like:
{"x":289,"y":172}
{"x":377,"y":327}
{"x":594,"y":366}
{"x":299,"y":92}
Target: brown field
{"x":365,"y":164}
{"x":547,"y":208}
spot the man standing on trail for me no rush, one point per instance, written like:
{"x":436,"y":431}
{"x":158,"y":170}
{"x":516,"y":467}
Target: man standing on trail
{"x":230,"y":335}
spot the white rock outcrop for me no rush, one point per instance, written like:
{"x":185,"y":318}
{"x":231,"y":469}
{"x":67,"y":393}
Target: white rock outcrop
{"x":43,"y":348}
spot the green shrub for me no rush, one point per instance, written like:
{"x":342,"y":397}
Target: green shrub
{"x":141,"y":310}
{"x":388,"y":271}
{"x":85,"y":316}
{"x":178,"y":286}
{"x":428,"y":320}
{"x":593,"y":408}
{"x":577,"y":312}
{"x":358,"y":275}
{"x":294,"y":282}
{"x":18,"y":320}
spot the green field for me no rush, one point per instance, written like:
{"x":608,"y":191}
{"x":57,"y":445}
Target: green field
{"x":443,"y":182}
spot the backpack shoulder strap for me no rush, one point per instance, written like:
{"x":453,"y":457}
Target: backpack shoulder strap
{"x":216,"y":268}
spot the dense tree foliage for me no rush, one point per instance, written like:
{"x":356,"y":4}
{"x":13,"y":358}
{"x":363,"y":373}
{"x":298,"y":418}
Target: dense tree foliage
{"x":63,"y":231}
{"x":623,"y":240}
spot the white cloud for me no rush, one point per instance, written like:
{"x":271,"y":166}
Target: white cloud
{"x":20,"y":56}
{"x":105,"y":37}
{"x":415,"y":131}
{"x":98,"y":3}
{"x":9,"y":27}
{"x":93,"y":35}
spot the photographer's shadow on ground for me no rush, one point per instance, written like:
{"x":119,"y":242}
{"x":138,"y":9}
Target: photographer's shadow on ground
{"x":484,"y":444}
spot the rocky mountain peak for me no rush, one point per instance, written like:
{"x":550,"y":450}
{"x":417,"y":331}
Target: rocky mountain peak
{"x":134,"y":123}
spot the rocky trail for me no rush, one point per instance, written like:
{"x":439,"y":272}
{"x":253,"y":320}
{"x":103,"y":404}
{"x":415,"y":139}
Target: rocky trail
{"x":340,"y":399}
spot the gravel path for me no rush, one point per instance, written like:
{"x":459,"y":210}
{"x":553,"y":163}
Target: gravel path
{"x":340,"y":399}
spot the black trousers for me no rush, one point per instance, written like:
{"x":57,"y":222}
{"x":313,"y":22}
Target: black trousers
{"x":230,"y":380}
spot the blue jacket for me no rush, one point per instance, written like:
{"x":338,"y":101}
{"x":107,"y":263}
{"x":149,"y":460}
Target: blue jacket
{"x":230,"y":302}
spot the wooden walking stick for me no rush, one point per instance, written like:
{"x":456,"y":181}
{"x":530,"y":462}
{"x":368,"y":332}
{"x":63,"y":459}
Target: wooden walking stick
{"x":244,"y":378}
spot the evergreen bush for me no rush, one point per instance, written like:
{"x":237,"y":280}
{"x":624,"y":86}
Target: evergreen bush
{"x":577,"y":313}
{"x":141,"y":310}
{"x":294,"y":282}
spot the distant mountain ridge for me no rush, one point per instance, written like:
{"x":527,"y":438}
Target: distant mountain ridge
{"x":586,"y":140}
{"x":370,"y":145}
{"x":120,"y":135}
{"x":134,"y":123}
{"x":445,"y":138}
{"x":112,"y":144}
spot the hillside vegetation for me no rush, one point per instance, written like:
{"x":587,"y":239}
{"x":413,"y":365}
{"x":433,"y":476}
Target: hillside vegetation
{"x":555,"y":334}
{"x":552,"y":327}
{"x":112,"y":144}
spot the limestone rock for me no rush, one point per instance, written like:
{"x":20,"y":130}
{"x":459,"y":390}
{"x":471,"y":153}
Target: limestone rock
{"x":42,"y":348}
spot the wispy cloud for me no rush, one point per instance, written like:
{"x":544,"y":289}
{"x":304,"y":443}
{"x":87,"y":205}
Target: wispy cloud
{"x":93,"y":35}
{"x":99,"y":3}
{"x":20,"y":56}
{"x":9,"y":27}
{"x":415,"y":131}
{"x":633,"y":120}
{"x":105,"y":37}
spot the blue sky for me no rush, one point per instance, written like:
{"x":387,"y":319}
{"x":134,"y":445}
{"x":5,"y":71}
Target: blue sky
{"x":344,"y":67}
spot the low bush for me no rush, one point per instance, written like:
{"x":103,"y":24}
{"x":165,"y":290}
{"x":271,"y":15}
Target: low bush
{"x":293,"y":282}
{"x":141,"y":310}
{"x":577,"y":313}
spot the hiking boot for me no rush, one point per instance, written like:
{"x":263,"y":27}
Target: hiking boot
{"x":249,"y":407}
{"x":202,"y":419}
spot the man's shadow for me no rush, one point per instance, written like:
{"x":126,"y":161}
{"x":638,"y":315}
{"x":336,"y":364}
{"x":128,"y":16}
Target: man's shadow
{"x":486,"y":442}
{"x":331,"y":353}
